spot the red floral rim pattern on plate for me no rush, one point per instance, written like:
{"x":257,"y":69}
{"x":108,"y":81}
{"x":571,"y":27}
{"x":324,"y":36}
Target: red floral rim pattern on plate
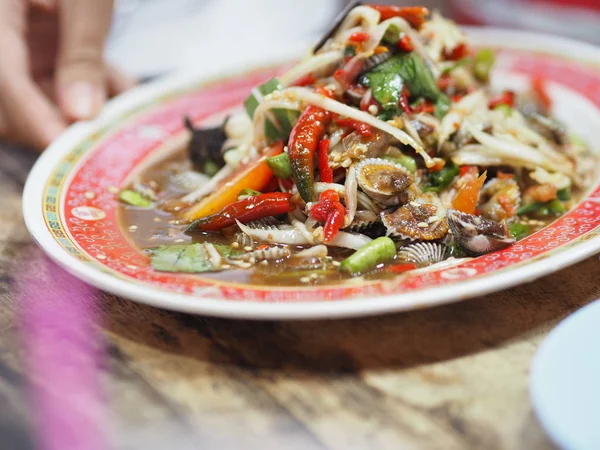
{"x":80,"y":206}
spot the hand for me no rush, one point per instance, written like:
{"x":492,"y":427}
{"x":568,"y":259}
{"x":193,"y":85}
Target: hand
{"x":52,"y":69}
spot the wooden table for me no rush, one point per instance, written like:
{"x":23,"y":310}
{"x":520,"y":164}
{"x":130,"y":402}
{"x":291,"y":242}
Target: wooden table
{"x":119,"y":375}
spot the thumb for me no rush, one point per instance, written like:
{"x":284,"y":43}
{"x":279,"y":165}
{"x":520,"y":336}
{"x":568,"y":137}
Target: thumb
{"x":80,"y":72}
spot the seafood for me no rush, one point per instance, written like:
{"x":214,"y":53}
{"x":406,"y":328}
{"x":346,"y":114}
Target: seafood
{"x":424,"y":253}
{"x":477,"y":235}
{"x":423,"y":219}
{"x":382,"y":180}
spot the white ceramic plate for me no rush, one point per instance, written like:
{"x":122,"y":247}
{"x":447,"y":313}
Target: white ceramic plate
{"x":71,"y":210}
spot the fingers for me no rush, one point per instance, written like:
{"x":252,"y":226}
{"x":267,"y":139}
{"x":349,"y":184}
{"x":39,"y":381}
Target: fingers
{"x":26,"y":114}
{"x":80,"y":74}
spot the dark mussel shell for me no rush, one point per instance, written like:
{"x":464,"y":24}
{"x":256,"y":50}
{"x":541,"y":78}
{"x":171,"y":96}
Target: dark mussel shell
{"x":206,"y":144}
{"x":336,"y":24}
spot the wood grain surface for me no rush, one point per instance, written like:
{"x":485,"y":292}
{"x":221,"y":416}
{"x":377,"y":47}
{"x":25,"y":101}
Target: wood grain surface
{"x":450,"y":377}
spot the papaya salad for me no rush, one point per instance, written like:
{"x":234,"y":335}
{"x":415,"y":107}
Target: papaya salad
{"x":383,"y":151}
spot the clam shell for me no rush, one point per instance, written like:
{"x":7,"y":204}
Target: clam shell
{"x":268,"y":254}
{"x":382,"y":180}
{"x":477,"y":235}
{"x":363,"y":220}
{"x":423,"y":219}
{"x":424,"y":253}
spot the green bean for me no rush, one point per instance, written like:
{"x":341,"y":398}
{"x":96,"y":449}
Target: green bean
{"x":518,"y":230}
{"x":134,"y":198}
{"x":408,"y":162}
{"x":370,"y":256}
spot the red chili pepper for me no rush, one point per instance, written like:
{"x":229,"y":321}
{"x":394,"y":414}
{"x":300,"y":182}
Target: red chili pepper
{"x":349,"y":72}
{"x":306,"y":80}
{"x":444,"y":82}
{"x":406,"y":44}
{"x":415,"y":15}
{"x":365,"y":130}
{"x":330,"y":211}
{"x":401,"y":268}
{"x":424,"y":107}
{"x":324,"y":169}
{"x":247,"y":210}
{"x":304,"y":139}
{"x":539,"y":87}
{"x":360,"y":36}
{"x":506,"y":98}
{"x":323,"y":91}
{"x":404,"y":102}
{"x":457,"y":53}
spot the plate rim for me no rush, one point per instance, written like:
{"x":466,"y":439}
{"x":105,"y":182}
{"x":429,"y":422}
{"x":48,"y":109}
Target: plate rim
{"x":240,"y":309}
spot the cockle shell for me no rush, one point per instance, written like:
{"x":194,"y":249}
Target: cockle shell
{"x":423,"y":219}
{"x":477,"y":235}
{"x":363,"y":220}
{"x":424,"y":253}
{"x":267,"y":254}
{"x":382,"y":180}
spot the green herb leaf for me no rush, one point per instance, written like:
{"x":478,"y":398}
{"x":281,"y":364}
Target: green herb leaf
{"x":564,"y":194}
{"x":442,"y":106}
{"x":438,"y":181}
{"x":518,"y":230}
{"x":185,"y":258}
{"x":530,"y":208}
{"x":386,"y":89}
{"x":247,"y":192}
{"x":350,"y":51}
{"x":253,"y":100}
{"x":134,"y":198}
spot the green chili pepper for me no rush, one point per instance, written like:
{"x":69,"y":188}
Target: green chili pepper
{"x":408,"y":162}
{"x":564,"y":194}
{"x":370,"y":256}
{"x":518,"y":230}
{"x":134,"y":198}
{"x":438,"y":181}
{"x":392,"y":35}
{"x":484,"y":61}
{"x":280,"y":166}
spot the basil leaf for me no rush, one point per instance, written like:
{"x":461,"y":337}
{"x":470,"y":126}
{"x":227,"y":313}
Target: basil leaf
{"x":438,"y":181}
{"x":416,"y":76}
{"x":442,"y":106}
{"x":386,"y":88}
{"x":185,"y":258}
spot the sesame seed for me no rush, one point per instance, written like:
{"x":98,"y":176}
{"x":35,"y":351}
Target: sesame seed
{"x":422,"y":225}
{"x":373,"y":109}
{"x":336,"y":263}
{"x":247,"y":248}
{"x":337,"y":157}
{"x":433,"y":219}
{"x":235,"y":245}
{"x":347,"y":163}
